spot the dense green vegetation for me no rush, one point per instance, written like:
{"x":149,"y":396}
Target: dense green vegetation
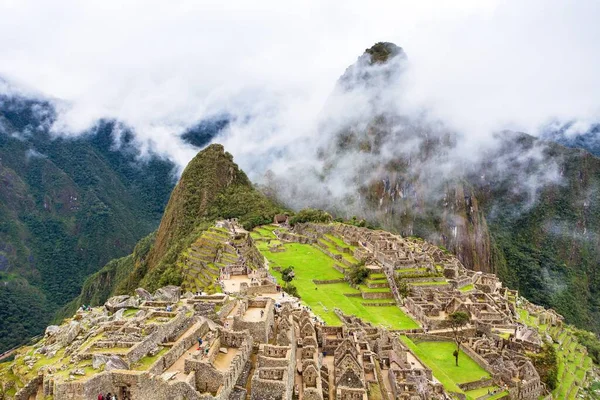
{"x":67,"y":207}
{"x":310,"y":215}
{"x":546,"y":364}
{"x":549,"y":249}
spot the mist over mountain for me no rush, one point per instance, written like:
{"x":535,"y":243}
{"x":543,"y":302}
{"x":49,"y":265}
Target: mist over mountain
{"x":511,"y":204}
{"x":572,"y":135}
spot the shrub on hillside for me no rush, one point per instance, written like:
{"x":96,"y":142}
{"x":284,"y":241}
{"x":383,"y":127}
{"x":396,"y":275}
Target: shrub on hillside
{"x":310,"y":215}
{"x":546,"y":364}
{"x":358,"y":273}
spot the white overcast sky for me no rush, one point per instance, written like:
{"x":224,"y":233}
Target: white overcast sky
{"x":159,"y":66}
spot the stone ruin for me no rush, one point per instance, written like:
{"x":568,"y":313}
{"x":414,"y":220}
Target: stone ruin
{"x":254,"y":347}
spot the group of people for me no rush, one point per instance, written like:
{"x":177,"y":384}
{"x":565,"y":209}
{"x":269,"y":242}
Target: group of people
{"x":204,"y":351}
{"x":108,"y":396}
{"x":86,"y":308}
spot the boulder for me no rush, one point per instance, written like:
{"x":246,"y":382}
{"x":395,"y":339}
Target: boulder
{"x":143,"y":294}
{"x":99,"y":360}
{"x":51,"y":330}
{"x":188,"y":295}
{"x":170,"y":294}
{"x":119,"y":314}
{"x":78,"y":371}
{"x":154,"y":351}
{"x":116,"y":303}
{"x":115,"y":362}
{"x":223,"y":350}
{"x":64,"y":335}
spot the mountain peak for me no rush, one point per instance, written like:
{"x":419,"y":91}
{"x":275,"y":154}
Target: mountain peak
{"x":380,"y":52}
{"x":377,"y":67}
{"x":210,"y":172}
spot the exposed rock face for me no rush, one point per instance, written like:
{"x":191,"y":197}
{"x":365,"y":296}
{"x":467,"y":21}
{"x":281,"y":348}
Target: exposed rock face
{"x":98,"y":360}
{"x":115,"y":362}
{"x":143,"y":294}
{"x":168,"y":293}
{"x":51,"y":330}
{"x":120,"y":302}
{"x":63,"y":335}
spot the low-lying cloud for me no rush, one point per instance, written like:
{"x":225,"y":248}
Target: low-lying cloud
{"x":474,"y":67}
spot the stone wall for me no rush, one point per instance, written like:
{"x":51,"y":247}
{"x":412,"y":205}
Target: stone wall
{"x":179,"y":323}
{"x":483,"y":382}
{"x":138,"y":386}
{"x":383,"y":304}
{"x":290,"y":237}
{"x":221,"y":383}
{"x":478,"y":359}
{"x":377,"y":295}
{"x":226,"y":309}
{"x":259,"y":330}
{"x":254,"y":290}
{"x":263,"y":388}
{"x":330,"y":281}
{"x":30,"y":389}
{"x":178,"y":349}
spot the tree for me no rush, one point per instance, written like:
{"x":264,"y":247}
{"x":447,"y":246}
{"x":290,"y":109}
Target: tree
{"x":287,"y":275}
{"x":358,"y":273}
{"x":457,"y":321}
{"x":310,"y":215}
{"x":546,"y":364}
{"x":403,"y":287}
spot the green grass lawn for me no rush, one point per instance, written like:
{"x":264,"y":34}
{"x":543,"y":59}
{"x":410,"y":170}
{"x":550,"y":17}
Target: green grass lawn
{"x":310,"y":263}
{"x":438,"y":356}
{"x":481,"y":391}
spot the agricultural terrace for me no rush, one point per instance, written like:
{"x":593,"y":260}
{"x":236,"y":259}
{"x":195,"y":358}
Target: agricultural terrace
{"x":310,"y":263}
{"x":573,"y":361}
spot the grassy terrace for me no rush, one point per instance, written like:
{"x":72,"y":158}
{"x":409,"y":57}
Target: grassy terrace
{"x":429,"y":283}
{"x":311,"y":263}
{"x":334,"y":250}
{"x":467,"y":288}
{"x":438,"y":356}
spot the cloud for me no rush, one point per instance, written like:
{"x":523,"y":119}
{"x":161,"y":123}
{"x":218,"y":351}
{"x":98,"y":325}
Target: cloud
{"x":160,"y":67}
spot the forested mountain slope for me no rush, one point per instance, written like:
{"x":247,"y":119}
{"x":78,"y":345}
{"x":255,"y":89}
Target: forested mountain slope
{"x":67,"y":206}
